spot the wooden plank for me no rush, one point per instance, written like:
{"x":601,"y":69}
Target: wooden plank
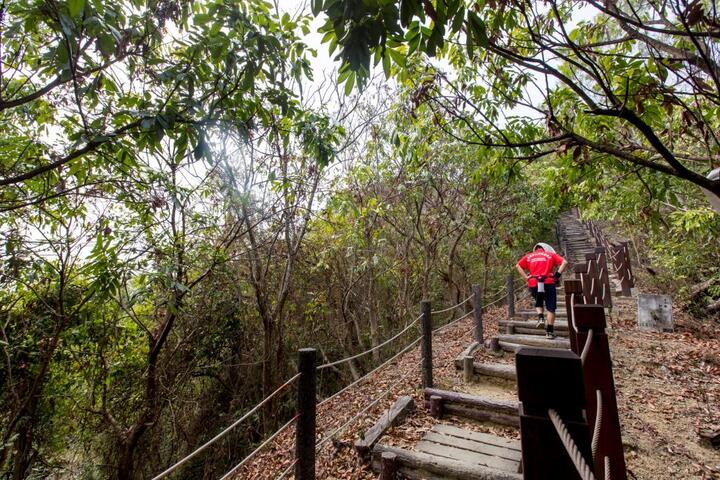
{"x":535,"y":341}
{"x":468,"y":352}
{"x":389,"y":418}
{"x":454,"y":431}
{"x":531,"y":324}
{"x":466,"y":456}
{"x":481,"y":415}
{"x":473,"y":446}
{"x":538,"y":331}
{"x":491,"y":404}
{"x":431,"y":467}
{"x":499,"y":370}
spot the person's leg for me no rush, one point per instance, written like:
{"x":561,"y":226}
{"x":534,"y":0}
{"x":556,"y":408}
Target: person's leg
{"x":551,"y":306}
{"x":539,"y":302}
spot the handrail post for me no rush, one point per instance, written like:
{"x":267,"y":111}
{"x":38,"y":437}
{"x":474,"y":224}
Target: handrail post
{"x":306,"y":410}
{"x":510,"y":297}
{"x":628,"y":265}
{"x":598,"y":375}
{"x":592,"y":272}
{"x":572,"y":287}
{"x":477,"y":313}
{"x":581,"y":274}
{"x":603,"y":275}
{"x":622,"y":270}
{"x":427,"y":373}
{"x":543,"y":453}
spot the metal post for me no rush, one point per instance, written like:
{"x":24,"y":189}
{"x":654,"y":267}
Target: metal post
{"x":599,"y":376}
{"x":305,"y":432}
{"x":543,"y":453}
{"x":477,"y":313}
{"x":427,"y":374}
{"x":510,"y":297}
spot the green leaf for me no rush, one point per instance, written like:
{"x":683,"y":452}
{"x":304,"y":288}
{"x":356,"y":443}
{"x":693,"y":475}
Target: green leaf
{"x":478,"y":29}
{"x":349,"y":83}
{"x":75,"y":7}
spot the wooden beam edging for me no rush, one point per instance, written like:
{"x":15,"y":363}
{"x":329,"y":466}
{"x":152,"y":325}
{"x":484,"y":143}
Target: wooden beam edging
{"x":390,"y":418}
{"x":417,"y":465}
{"x":441,"y":402}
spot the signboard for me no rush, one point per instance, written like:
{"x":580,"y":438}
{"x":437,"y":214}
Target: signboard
{"x":655,"y":313}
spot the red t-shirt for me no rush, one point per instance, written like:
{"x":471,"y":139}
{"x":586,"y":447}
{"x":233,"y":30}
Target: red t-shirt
{"x":540,"y":263}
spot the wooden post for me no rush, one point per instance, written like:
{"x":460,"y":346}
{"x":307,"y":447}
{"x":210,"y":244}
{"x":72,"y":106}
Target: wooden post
{"x":306,"y":404}
{"x":510,"y":297}
{"x":388,"y":466}
{"x":603,"y":276}
{"x":477,"y":313}
{"x":622,"y":270}
{"x":550,"y":379}
{"x":427,"y":373}
{"x":436,"y":406}
{"x":599,"y":376}
{"x":582,"y":276}
{"x":468,"y":369}
{"x":628,"y":265}
{"x":572,"y":287}
{"x":592,"y":276}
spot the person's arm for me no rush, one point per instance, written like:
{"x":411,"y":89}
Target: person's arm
{"x":522,"y":271}
{"x":563,"y":266}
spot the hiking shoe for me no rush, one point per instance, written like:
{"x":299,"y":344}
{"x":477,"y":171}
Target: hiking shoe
{"x":550,"y":335}
{"x":540,"y":324}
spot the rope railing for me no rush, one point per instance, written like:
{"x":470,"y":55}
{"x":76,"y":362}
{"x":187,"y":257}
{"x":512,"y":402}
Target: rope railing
{"x":438,"y":312}
{"x":384,"y":364}
{"x":370,"y":350}
{"x":227,"y":430}
{"x":598,"y":424}
{"x":357,"y":416}
{"x":259,"y":448}
{"x":586,"y":347}
{"x":581,"y":465}
{"x":287,"y":470}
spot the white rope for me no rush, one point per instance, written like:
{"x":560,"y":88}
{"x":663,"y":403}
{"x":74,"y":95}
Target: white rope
{"x":608,"y":473}
{"x":394,"y":357}
{"x":572,"y":309}
{"x":598,"y":424}
{"x":287,"y":470}
{"x":440,"y":329}
{"x":437,"y":312}
{"x":367,"y":407}
{"x":260,"y":447}
{"x":580,"y":465}
{"x":586,"y":347}
{"x":224,"y":432}
{"x":347,"y":359}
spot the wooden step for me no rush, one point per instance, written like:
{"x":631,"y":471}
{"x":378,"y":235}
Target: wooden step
{"x":511,"y":343}
{"x":505,"y":371}
{"x":421,"y":465}
{"x":474,"y":407}
{"x":559,"y":325}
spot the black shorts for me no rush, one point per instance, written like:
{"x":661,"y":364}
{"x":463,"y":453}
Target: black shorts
{"x":547,"y":299}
